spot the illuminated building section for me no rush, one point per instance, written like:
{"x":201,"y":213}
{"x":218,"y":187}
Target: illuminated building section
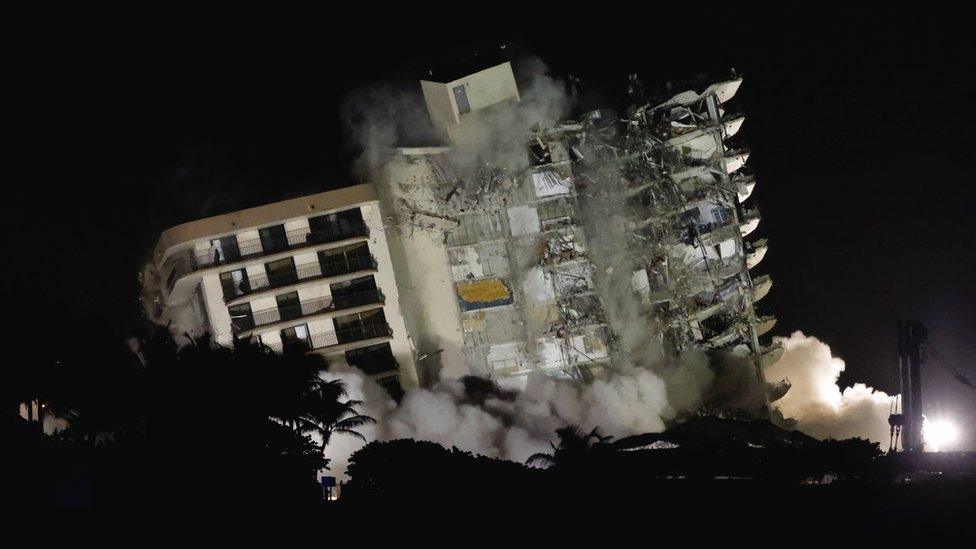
{"x":501,"y":277}
{"x":312,"y":274}
{"x":443,"y":269}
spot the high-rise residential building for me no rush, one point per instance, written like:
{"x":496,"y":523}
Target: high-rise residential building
{"x":504,"y":247}
{"x":308,"y":274}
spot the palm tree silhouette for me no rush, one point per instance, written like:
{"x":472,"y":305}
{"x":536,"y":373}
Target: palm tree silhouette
{"x":287,"y":389}
{"x":574,"y":447}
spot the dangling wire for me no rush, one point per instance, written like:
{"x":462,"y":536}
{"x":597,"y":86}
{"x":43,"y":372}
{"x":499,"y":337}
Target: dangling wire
{"x":955,"y":373}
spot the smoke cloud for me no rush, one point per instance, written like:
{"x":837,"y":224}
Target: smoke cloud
{"x":815,"y":400}
{"x":649,"y":386}
{"x":646,"y":389}
{"x":515,"y":425}
{"x":506,"y":425}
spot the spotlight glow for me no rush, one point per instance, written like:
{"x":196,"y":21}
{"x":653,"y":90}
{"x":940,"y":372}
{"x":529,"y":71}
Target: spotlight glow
{"x":938,"y":434}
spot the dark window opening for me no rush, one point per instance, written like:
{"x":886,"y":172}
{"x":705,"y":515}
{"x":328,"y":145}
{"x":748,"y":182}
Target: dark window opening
{"x":241,"y":318}
{"x":295,"y":339}
{"x":354,"y":293}
{"x":273,"y":239}
{"x":289,"y":306}
{"x":354,"y":286}
{"x":337,"y":226}
{"x":360,"y":326}
{"x":223,"y":250}
{"x":281,"y":272}
{"x":461,"y":98}
{"x":375,"y":359}
{"x":234,"y":283}
{"x":346,"y":259}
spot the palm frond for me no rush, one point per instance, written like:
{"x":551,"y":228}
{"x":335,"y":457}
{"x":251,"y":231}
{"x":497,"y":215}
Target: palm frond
{"x":540,"y":458}
{"x":356,"y":434}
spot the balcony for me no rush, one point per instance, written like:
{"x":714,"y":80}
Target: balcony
{"x":293,"y":240}
{"x":310,"y":307}
{"x":327,"y":340}
{"x":310,"y":271}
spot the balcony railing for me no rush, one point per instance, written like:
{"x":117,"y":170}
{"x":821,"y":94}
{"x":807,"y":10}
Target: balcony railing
{"x":331,"y":339}
{"x":309,"y":271}
{"x":311,"y":307}
{"x":351,"y":335}
{"x":296,"y":238}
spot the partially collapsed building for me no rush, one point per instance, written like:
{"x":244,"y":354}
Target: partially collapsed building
{"x":517,"y":265}
{"x":559,"y":247}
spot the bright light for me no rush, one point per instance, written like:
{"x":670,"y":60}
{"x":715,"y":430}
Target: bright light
{"x":938,"y":433}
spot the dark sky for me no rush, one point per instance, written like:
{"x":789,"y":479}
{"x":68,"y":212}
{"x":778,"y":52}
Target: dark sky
{"x":861,"y":132}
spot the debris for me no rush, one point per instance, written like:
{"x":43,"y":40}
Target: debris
{"x":658,"y":180}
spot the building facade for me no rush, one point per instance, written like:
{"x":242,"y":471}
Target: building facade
{"x":310,"y":274}
{"x":562,"y":246}
{"x":583,"y":243}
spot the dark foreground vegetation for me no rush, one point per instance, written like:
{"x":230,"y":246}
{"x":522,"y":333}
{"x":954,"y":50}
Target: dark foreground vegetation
{"x":204,"y":429}
{"x":157,"y":427}
{"x":731,"y":471}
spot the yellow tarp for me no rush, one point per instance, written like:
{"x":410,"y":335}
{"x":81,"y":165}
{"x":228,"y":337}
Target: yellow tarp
{"x":483,"y":291}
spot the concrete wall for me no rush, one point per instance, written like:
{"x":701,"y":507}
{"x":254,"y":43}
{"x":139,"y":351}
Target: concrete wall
{"x":487,"y":87}
{"x":314,"y":292}
{"x":292,"y":213}
{"x":213,"y":296}
{"x":425,"y":285}
{"x":386,"y":280}
{"x":440,"y":107}
{"x":483,"y":89}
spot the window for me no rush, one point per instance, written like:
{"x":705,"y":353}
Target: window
{"x":354,"y":286}
{"x":224,"y":249}
{"x":295,"y":338}
{"x":234,"y":283}
{"x":289,"y":306}
{"x":346,"y":259}
{"x":375,"y":359}
{"x":360,"y":326}
{"x":281,"y":272}
{"x":354,"y":293}
{"x":337,"y":226}
{"x":273,"y":239}
{"x":240,"y":317}
{"x":461,"y":99}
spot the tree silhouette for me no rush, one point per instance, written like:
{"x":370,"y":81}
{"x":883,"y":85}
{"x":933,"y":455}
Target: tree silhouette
{"x":574,"y":448}
{"x":201,"y":424}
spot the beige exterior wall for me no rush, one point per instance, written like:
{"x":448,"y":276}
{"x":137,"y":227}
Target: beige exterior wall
{"x":291,"y":212}
{"x":490,"y":86}
{"x":483,"y":89}
{"x":294,"y":215}
{"x":386,"y":280}
{"x":213,"y":296}
{"x":426,"y":288}
{"x":440,"y":107}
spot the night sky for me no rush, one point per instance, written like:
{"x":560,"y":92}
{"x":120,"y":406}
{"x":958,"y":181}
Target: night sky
{"x":861,"y":139}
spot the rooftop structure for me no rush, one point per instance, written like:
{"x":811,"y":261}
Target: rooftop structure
{"x":452,"y":105}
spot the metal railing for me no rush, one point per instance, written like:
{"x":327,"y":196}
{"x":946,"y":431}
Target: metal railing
{"x":316,"y":306}
{"x":309,"y":271}
{"x":331,"y":339}
{"x":296,"y":238}
{"x":353,"y":334}
{"x":241,"y":323}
